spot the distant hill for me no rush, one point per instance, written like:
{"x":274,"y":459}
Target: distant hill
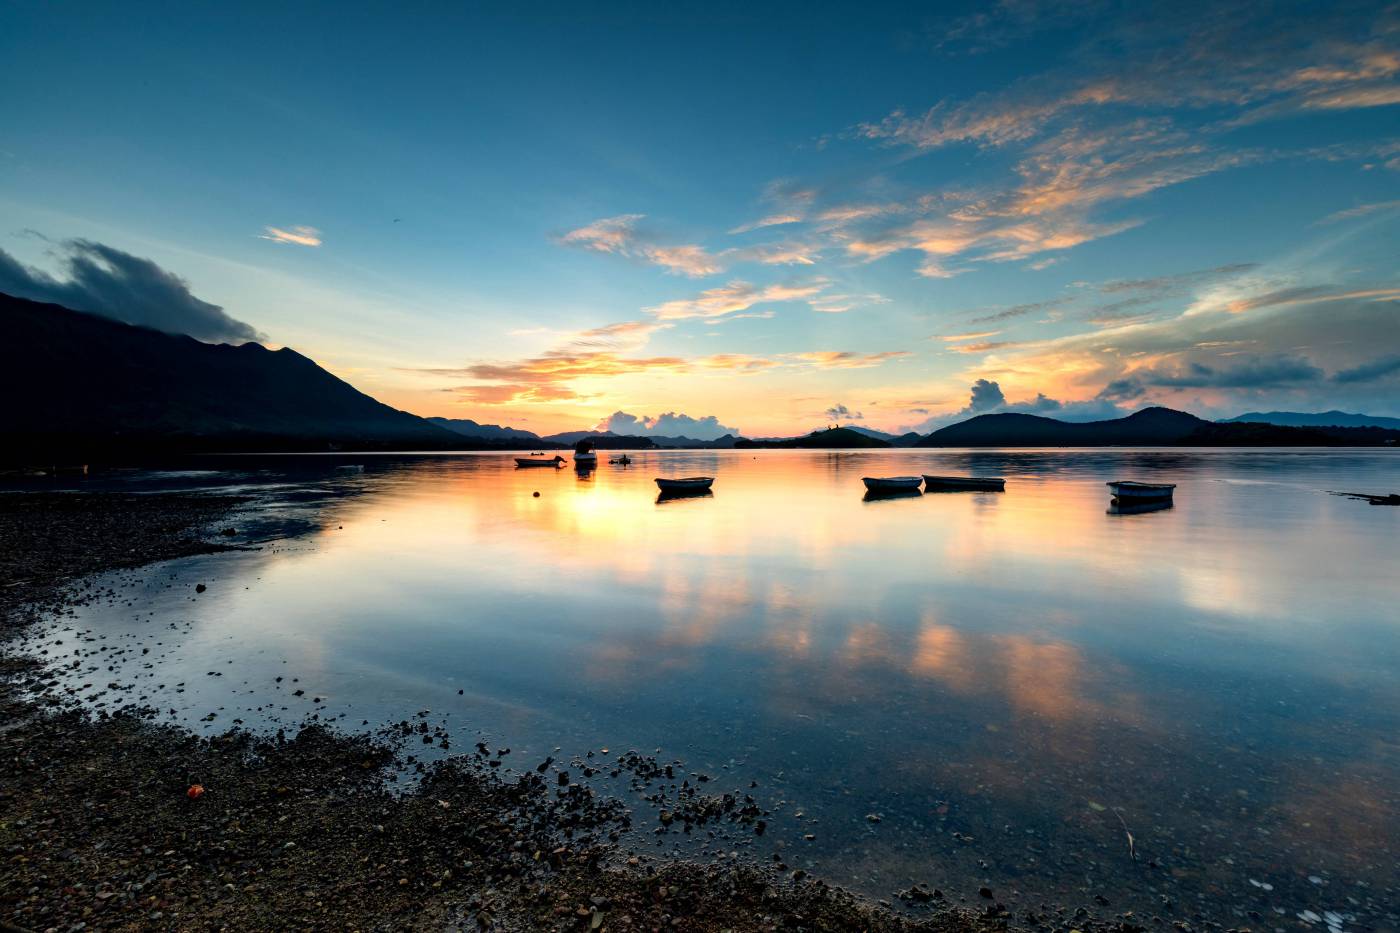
{"x":680,"y":441}
{"x":1151,"y":427}
{"x":830,"y":439}
{"x":470,"y":428}
{"x":80,"y":383}
{"x":1321,"y":419}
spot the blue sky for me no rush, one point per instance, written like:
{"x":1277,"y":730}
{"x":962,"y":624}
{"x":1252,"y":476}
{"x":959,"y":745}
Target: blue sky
{"x":771,"y":215}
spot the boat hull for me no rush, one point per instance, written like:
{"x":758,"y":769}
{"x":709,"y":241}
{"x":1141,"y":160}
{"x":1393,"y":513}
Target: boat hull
{"x":892,"y":483}
{"x":988,"y":483}
{"x":688,"y":484}
{"x":1127,"y":491}
{"x":531,"y":462}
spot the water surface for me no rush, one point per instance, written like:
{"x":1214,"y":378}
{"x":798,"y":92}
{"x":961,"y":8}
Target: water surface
{"x":958,"y":689}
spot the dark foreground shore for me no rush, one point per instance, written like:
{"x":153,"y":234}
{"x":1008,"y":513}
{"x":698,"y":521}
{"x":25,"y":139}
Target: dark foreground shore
{"x":306,"y":831}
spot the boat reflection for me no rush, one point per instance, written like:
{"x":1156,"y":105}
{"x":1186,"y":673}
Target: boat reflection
{"x":872,"y":495}
{"x":678,"y":494}
{"x":1138,"y":508}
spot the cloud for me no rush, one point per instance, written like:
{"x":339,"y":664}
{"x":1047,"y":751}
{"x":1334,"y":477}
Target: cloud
{"x":619,"y":235}
{"x":839,"y":304}
{"x":1015,"y":311}
{"x":975,"y":335}
{"x":840,"y":412}
{"x":115,"y":284}
{"x":986,"y":397}
{"x":1250,"y":373}
{"x":847,"y":359}
{"x":669,"y":424}
{"x":1147,"y":104}
{"x":985,"y":346}
{"x":1177,"y":59}
{"x":598,"y":353}
{"x":299,"y":236}
{"x":730,"y":299}
{"x":1361,"y":210}
{"x":772,"y":220}
{"x":1369,"y":372}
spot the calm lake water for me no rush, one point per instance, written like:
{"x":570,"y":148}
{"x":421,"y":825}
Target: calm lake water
{"x":1011,"y":683}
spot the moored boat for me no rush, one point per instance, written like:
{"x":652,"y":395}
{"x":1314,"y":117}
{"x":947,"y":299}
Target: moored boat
{"x":1130,"y":491}
{"x":993,"y":483}
{"x":891,"y":483}
{"x":624,"y":460}
{"x":585,"y":458}
{"x":554,"y":461}
{"x":685,"y":484}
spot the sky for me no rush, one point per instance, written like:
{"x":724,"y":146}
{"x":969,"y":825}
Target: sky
{"x":758,"y":218}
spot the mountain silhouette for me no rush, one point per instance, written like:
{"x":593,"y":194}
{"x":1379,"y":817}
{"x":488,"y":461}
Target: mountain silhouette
{"x":1321,"y":419}
{"x":495,"y":432}
{"x":1151,"y":427}
{"x":81,"y":383}
{"x":830,"y":439}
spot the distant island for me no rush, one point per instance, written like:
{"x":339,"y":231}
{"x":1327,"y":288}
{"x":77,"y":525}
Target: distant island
{"x":85,"y":386}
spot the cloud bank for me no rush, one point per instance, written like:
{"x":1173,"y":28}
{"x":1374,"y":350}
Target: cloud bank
{"x":107,"y":281}
{"x":669,"y":424}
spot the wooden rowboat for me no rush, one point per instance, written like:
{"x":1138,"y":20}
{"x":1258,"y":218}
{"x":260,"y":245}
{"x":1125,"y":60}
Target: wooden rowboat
{"x":1129,"y":491}
{"x":554,"y":461}
{"x":891,"y":483}
{"x":690,"y":484}
{"x":993,"y":483}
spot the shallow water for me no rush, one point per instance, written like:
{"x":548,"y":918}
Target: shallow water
{"x":1010,"y":683}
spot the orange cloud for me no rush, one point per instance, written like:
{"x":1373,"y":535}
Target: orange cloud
{"x":619,"y":235}
{"x":730,"y":299}
{"x":847,"y":359}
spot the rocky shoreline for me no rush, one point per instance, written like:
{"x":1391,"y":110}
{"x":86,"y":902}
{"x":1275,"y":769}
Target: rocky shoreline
{"x":100,"y":827}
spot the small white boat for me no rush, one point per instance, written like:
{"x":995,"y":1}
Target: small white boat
{"x":1130,"y":491}
{"x":891,"y":483}
{"x":585,"y":458}
{"x":685,"y":484}
{"x":554,"y":461}
{"x":994,"y":483}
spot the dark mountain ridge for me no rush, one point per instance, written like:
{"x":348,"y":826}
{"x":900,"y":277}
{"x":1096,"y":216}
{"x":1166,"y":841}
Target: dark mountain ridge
{"x":81,"y":383}
{"x":493,"y":432}
{"x":829,"y":439}
{"x":1321,"y":419}
{"x":1151,"y":427}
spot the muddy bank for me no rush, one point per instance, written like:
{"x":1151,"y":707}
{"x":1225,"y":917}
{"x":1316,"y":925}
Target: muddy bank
{"x":99,"y":829}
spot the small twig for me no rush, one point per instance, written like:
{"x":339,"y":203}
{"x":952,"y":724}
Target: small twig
{"x":1132,"y":849}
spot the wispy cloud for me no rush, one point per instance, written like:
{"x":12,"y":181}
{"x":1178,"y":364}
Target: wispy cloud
{"x":299,"y":236}
{"x":1361,"y":210}
{"x":620,"y":235}
{"x":847,"y":359}
{"x":732,"y":298}
{"x":975,"y":335}
{"x":986,"y":346}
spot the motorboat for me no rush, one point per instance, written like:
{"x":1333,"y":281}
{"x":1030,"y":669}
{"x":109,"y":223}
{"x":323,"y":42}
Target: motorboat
{"x":1128,"y":491}
{"x":585,"y":457}
{"x":892,"y":483}
{"x":624,"y":460}
{"x":987,"y":483}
